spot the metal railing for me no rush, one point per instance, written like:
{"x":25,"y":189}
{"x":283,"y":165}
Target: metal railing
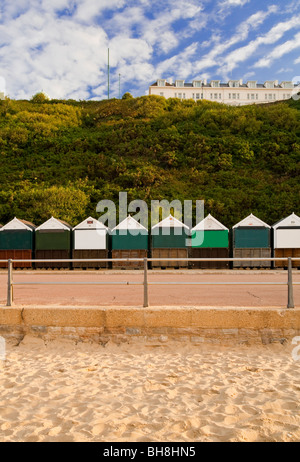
{"x":145,"y":282}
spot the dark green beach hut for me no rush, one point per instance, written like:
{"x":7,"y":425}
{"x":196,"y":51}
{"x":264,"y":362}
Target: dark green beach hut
{"x":169,"y":239}
{"x":17,"y":242}
{"x":53,"y":241}
{"x":209,"y":239}
{"x":251,"y":238}
{"x":129,"y":239}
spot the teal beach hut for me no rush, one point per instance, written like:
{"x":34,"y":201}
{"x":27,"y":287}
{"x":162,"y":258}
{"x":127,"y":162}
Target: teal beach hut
{"x":251,"y":238}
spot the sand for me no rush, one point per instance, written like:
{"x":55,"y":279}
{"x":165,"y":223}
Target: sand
{"x":63,"y":392}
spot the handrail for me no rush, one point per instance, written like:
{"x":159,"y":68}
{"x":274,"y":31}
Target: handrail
{"x":70,"y":260}
{"x":146,"y":283}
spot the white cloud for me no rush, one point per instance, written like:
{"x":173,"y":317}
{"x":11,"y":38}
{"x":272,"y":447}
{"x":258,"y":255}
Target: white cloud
{"x":279,"y":51}
{"x":88,"y":10}
{"x":56,"y":55}
{"x":241,"y":54}
{"x":234,"y":2}
{"x":216,"y":54}
{"x":180,"y":65}
{"x":61,"y":46}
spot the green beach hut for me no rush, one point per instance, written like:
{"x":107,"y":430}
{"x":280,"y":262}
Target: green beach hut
{"x":129,"y":239}
{"x":17,"y":242}
{"x":251,"y":238}
{"x":53,"y":241}
{"x":169,"y":239}
{"x":209,"y":239}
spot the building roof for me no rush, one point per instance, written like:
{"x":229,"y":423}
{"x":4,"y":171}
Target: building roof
{"x":170,"y":222}
{"x":54,"y":223}
{"x":209,"y":223}
{"x":226,"y":84}
{"x":129,"y":223}
{"x":91,"y":223}
{"x":291,"y":221}
{"x":16,"y":223}
{"x":251,"y":221}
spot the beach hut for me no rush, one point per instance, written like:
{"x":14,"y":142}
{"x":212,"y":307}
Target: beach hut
{"x":286,"y":239}
{"x":251,"y":238}
{"x":17,"y":242}
{"x":53,"y":241}
{"x":129,"y":239}
{"x":169,"y":239}
{"x":209,"y":239}
{"x":90,"y":241}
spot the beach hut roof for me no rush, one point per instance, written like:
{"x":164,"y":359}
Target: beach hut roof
{"x":209,"y":223}
{"x":129,"y":223}
{"x":18,"y":224}
{"x":54,"y":223}
{"x":91,"y":223}
{"x":170,"y":222}
{"x":251,"y":221}
{"x":291,"y":220}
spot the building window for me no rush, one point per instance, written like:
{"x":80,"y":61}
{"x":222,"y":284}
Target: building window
{"x":229,"y":95}
{"x":197,"y":95}
{"x":211,"y":96}
{"x":266,"y":96}
{"x":161,"y":93}
{"x":183,"y":96}
{"x":256,"y":95}
{"x":233,"y":95}
{"x":220,"y":96}
{"x":161,"y":83}
{"x":248,"y":96}
{"x":216,"y":95}
{"x":252,"y":96}
{"x":238,"y":96}
{"x":180,"y":95}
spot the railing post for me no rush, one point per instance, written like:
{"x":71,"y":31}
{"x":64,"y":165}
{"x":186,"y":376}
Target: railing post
{"x":290,"y":285}
{"x":9,"y":283}
{"x":146,"y":297}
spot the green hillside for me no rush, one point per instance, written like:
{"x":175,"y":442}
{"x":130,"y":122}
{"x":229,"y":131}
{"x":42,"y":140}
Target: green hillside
{"x":61,"y":157}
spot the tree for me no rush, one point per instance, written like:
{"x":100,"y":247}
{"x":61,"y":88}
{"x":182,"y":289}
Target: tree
{"x":127,"y":96}
{"x":40,"y":97}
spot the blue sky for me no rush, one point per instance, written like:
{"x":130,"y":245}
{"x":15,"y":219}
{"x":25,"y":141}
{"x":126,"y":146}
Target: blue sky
{"x":61,"y":46}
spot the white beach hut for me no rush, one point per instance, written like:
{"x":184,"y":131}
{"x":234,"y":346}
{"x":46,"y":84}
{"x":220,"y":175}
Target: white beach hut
{"x":286,"y":240}
{"x":90,"y":241}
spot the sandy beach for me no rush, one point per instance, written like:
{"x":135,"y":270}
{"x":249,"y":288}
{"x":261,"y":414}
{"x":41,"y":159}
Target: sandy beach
{"x":61,"y":391}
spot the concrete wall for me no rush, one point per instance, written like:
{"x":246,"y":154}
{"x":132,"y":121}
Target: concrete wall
{"x":155,"y":325}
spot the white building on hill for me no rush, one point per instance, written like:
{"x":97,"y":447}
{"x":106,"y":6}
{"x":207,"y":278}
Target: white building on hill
{"x":235,"y":92}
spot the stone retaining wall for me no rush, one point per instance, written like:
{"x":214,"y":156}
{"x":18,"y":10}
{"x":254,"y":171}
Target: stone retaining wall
{"x":153,"y":326}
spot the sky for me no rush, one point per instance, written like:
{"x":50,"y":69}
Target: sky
{"x":61,"y":47}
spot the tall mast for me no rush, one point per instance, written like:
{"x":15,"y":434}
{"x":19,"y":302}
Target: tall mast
{"x":108,"y":73}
